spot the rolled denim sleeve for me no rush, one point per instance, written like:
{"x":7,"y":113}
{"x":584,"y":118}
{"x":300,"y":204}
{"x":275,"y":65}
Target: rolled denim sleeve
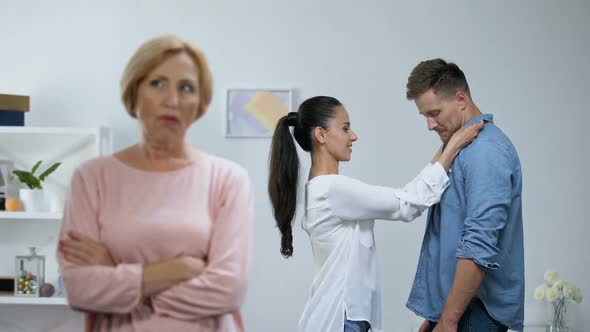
{"x":488,"y":172}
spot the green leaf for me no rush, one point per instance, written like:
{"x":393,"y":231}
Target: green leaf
{"x":36,"y":166}
{"x":33,"y":182}
{"x":49,"y":171}
{"x":28,"y":179}
{"x":20,"y":173}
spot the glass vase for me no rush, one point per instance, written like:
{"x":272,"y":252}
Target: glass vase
{"x":30,"y":274}
{"x":557,"y":318}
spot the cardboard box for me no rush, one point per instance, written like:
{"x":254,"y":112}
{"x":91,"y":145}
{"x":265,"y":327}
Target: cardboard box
{"x":13,"y":108}
{"x":15,"y":103}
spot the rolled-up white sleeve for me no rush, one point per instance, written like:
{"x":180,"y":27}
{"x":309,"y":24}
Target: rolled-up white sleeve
{"x":354,"y":200}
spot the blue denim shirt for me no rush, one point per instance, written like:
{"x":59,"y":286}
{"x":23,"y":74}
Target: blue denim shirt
{"x":479,"y":217}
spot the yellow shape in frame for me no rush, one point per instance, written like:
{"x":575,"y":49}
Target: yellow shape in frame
{"x":267,"y":109}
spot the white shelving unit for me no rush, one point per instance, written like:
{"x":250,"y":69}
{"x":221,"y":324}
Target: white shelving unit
{"x":31,"y":216}
{"x":33,"y":300}
{"x":24,"y":146}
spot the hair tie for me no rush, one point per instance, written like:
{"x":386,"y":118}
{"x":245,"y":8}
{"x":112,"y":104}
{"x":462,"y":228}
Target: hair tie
{"x":292,"y":119}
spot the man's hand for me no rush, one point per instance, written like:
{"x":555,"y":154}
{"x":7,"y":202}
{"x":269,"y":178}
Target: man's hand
{"x":82,"y":250}
{"x":425,"y":327}
{"x":445,"y":325}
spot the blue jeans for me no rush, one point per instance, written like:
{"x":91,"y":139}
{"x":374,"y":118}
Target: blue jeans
{"x":476,"y":319}
{"x":356,"y":326}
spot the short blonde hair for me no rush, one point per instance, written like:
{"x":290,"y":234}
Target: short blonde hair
{"x":151,"y":54}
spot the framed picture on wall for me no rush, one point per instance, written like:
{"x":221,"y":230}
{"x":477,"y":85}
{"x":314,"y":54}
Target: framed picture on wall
{"x":254,"y":113}
{"x":6,"y":167}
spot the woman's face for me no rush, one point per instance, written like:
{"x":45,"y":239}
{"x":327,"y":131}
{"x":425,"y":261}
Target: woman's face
{"x":339,"y":136}
{"x":168,"y":98}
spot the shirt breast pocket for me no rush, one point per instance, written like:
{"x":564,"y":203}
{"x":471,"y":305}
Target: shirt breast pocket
{"x":366,"y":236}
{"x":451,"y":196}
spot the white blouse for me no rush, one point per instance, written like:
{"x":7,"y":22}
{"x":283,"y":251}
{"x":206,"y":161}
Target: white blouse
{"x":340,"y":216}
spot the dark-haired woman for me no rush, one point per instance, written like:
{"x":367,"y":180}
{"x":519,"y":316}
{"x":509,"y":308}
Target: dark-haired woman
{"x":340,"y":212}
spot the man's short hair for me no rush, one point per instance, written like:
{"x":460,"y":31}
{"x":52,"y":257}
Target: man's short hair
{"x":445,"y":79}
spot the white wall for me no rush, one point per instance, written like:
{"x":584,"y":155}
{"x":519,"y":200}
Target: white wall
{"x":526,"y":63}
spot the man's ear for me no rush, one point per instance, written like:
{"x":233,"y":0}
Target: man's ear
{"x":461,"y":99}
{"x":319,"y":134}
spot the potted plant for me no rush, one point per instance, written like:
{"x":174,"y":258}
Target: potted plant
{"x":33,"y":197}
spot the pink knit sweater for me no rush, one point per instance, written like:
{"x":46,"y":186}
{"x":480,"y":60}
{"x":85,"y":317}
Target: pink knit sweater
{"x":143,"y":217}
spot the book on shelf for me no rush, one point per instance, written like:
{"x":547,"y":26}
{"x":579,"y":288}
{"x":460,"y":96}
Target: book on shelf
{"x":13,"y":109}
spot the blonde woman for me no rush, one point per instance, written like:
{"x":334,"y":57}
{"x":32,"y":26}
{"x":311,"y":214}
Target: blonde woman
{"x":157,"y":236}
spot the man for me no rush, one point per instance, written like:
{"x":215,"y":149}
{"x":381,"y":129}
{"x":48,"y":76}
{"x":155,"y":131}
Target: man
{"x":470,"y":274}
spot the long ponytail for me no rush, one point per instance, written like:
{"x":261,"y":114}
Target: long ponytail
{"x":284,"y":161}
{"x":282,"y":182}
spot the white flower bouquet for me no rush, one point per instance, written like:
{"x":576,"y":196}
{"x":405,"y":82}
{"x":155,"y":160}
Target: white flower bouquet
{"x":557,"y":293}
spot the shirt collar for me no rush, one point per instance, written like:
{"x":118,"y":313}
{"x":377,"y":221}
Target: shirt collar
{"x":485,"y":117}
